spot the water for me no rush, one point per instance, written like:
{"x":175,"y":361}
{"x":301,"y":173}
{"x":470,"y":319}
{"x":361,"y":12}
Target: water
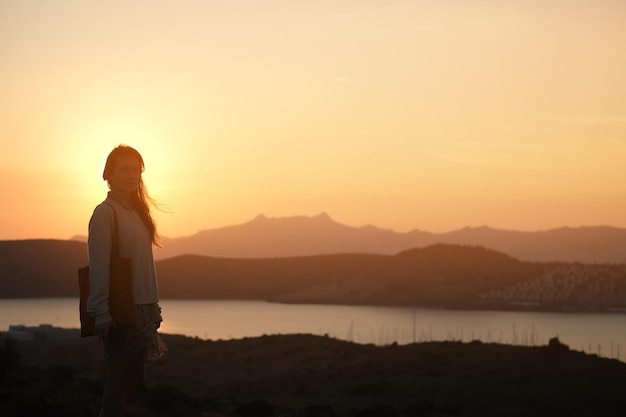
{"x":601,"y":334}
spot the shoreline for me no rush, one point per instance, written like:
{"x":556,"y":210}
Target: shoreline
{"x":472,"y":306}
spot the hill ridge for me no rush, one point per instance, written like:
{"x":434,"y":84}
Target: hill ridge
{"x":440,"y":275}
{"x":301,"y":235}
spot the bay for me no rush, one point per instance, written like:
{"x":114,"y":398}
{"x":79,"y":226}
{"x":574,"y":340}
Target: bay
{"x":601,"y":334}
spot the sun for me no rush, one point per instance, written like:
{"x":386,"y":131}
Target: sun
{"x":84,"y":160}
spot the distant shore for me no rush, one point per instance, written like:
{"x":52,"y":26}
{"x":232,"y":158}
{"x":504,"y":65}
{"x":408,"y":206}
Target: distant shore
{"x":470,"y":306}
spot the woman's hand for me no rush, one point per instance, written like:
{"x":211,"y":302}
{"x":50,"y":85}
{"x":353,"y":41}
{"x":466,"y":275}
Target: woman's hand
{"x":102,"y":330}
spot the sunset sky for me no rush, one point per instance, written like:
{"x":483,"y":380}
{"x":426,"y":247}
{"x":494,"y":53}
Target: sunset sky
{"x":404,"y":114}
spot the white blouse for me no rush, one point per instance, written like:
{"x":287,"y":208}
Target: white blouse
{"x":135,"y":243}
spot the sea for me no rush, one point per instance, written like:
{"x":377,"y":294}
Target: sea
{"x":602,"y":334}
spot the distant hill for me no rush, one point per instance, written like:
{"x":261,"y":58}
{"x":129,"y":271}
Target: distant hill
{"x":40,"y":268}
{"x":289,"y":236}
{"x":438,"y":275}
{"x":265,"y":237}
{"x":435,"y":275}
{"x":79,"y":238}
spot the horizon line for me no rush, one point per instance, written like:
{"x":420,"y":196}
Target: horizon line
{"x":324,"y":215}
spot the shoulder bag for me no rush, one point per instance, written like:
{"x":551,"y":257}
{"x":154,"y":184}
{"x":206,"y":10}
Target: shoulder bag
{"x":121,"y":302}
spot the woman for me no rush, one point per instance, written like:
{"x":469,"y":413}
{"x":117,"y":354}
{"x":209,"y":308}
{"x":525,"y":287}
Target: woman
{"x":125,"y":348}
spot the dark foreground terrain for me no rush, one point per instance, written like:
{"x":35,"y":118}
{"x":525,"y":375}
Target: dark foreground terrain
{"x":304,"y":375}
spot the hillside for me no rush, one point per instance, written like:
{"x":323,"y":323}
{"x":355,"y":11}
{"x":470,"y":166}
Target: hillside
{"x":316,"y":376}
{"x":40,"y":268}
{"x":440,"y":275}
{"x":339,"y":278}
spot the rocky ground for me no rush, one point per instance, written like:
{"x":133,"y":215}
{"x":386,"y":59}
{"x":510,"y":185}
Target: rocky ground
{"x":305,"y":375}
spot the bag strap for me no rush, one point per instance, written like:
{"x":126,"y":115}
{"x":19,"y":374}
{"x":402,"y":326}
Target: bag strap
{"x":115,"y":239}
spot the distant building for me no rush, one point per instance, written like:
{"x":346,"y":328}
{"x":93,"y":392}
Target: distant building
{"x":41,"y":332}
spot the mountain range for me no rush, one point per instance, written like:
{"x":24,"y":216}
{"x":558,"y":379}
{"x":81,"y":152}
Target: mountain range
{"x":315,"y":259}
{"x":266,"y":237}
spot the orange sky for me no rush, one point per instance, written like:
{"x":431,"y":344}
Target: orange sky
{"x":430,"y":115}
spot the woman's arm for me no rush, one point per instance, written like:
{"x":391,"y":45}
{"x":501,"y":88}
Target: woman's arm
{"x":99,"y":243}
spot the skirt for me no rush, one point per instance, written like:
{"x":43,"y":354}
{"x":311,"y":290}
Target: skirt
{"x":142,"y":337}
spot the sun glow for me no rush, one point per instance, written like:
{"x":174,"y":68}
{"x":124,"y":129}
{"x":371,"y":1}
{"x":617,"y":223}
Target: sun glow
{"x":411,"y":115}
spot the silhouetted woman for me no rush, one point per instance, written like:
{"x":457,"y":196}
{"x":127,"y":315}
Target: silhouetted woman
{"x":125,"y":348}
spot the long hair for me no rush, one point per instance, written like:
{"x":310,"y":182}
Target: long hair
{"x":141,"y":200}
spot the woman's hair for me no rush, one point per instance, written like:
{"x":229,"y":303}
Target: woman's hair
{"x":140,"y":201}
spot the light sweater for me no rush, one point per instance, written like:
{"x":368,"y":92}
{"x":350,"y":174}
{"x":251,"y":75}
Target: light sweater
{"x":135,"y":243}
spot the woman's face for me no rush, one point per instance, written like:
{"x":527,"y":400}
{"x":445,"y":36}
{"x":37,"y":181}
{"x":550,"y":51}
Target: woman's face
{"x":125,"y":177}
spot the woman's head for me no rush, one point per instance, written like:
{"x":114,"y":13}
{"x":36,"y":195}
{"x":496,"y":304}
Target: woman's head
{"x":122,"y":172}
